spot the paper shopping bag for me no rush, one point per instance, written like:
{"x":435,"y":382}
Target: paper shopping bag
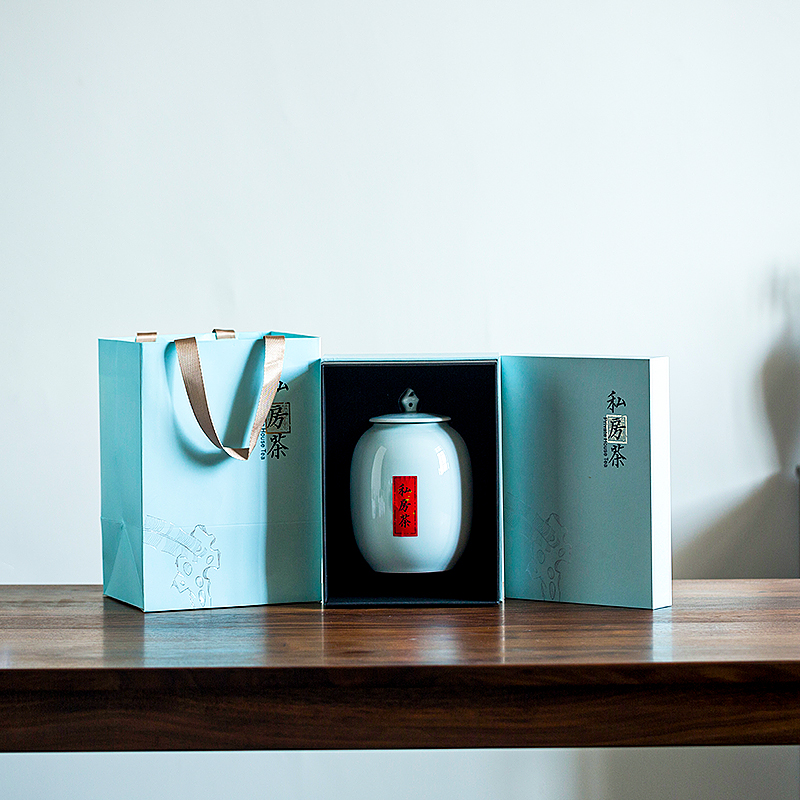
{"x":210,"y":470}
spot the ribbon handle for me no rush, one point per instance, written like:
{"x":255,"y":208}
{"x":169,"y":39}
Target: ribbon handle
{"x":192,"y":372}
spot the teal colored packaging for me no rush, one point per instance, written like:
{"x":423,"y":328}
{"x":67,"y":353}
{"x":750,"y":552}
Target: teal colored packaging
{"x":184,"y":525}
{"x":586,"y":480}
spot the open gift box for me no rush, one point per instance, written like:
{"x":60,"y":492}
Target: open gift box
{"x":570,"y":477}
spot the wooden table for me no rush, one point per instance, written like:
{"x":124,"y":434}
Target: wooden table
{"x":80,"y":672}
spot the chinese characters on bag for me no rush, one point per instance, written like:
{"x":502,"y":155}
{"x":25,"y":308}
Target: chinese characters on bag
{"x":275,"y":433}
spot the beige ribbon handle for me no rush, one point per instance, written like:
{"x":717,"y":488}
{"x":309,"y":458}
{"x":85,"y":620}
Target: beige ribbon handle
{"x":219,"y":333}
{"x":189,"y":361}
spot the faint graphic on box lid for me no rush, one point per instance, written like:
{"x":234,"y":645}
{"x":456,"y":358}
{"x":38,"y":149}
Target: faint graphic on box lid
{"x":195,"y":555}
{"x":550,"y":552}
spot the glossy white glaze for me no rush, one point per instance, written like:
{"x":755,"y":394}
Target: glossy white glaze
{"x":434,"y":453}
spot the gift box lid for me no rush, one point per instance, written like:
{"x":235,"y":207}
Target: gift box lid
{"x":586,"y":480}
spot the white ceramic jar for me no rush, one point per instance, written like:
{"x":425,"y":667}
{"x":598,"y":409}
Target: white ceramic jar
{"x":411,"y":492}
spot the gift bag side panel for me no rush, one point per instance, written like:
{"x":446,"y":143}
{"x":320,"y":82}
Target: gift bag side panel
{"x":291,"y":447}
{"x":121,"y":469}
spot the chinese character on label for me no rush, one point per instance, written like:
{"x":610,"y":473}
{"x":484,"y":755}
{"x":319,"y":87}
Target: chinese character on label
{"x":616,"y":459}
{"x":404,"y":505}
{"x":617,"y":428}
{"x":277,"y":447}
{"x":279,"y":419}
{"x":614,"y":401}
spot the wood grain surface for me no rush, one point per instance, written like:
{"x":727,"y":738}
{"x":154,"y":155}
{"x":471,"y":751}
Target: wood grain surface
{"x":83,"y":672}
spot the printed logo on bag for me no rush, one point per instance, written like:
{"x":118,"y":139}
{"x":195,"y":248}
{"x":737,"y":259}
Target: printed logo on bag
{"x":615,"y":432}
{"x":278,"y":426}
{"x":404,"y":505}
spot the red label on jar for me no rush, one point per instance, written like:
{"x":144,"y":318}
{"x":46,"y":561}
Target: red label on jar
{"x":404,"y":505}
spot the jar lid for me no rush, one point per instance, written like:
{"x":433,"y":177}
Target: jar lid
{"x":409,"y":417}
{"x":408,"y":403}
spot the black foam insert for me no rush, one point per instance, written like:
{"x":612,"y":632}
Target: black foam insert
{"x":466,"y":391}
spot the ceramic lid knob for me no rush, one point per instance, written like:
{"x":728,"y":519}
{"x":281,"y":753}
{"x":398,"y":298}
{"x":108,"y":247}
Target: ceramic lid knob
{"x":408,"y":401}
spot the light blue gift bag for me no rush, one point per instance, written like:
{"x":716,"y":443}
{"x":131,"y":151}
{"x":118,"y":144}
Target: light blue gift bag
{"x":199,"y":513}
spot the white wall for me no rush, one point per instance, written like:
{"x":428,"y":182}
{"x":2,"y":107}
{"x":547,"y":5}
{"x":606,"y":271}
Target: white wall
{"x":578,"y":177}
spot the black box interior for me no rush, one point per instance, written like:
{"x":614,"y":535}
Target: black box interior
{"x":466,"y":391}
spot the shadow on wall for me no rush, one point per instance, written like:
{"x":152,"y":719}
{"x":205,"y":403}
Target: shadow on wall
{"x":760,"y":537}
